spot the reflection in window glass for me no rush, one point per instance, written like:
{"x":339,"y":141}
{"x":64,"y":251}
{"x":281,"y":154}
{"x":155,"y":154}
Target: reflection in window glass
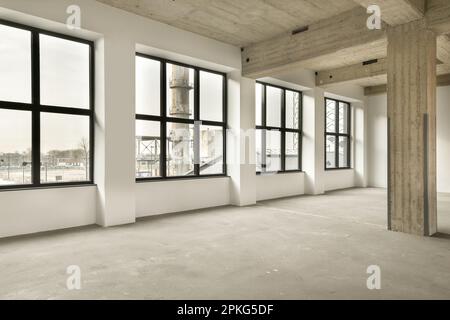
{"x":211,"y":96}
{"x":15,"y":147}
{"x":273,"y":151}
{"x":180,"y":92}
{"x":330,"y":115}
{"x":148,"y":86}
{"x":180,"y":149}
{"x":274,"y":96}
{"x":258,"y":104}
{"x":64,"y":148}
{"x":211,"y":150}
{"x":343,"y":118}
{"x":148,"y":149}
{"x":64,"y":72}
{"x":343,"y":152}
{"x":292,"y":109}
{"x":330,"y":151}
{"x":292,"y":150}
{"x":15,"y":65}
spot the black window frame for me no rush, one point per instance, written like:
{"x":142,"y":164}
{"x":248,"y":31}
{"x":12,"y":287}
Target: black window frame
{"x":36,"y":108}
{"x":163,"y":119}
{"x":338,"y":135}
{"x":282,"y":129}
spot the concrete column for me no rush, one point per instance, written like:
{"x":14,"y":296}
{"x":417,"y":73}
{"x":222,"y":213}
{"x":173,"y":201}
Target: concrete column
{"x":241,"y":139}
{"x":412,"y":129}
{"x":115,"y":131}
{"x":313,"y":140}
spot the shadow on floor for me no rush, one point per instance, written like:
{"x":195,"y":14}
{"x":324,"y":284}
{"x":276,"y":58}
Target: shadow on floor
{"x":441,"y":235}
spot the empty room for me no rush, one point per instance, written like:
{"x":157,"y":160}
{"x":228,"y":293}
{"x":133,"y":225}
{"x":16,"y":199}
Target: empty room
{"x":225,"y":150}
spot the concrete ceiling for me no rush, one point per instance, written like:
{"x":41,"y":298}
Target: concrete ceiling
{"x":237,"y":22}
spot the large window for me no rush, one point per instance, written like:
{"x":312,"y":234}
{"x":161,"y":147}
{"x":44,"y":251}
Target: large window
{"x":46,"y":108}
{"x":278,"y":129}
{"x":180,"y":120}
{"x":337,"y":134}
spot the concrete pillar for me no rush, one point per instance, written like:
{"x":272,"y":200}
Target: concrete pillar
{"x":115,"y":131}
{"x":412,"y":129}
{"x":241,"y":139}
{"x":313,"y":140}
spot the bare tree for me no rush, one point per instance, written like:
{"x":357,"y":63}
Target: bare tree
{"x":84,"y":146}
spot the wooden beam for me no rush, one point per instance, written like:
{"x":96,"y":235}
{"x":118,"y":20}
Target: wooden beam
{"x":342,"y":36}
{"x":396,"y":12}
{"x":442,"y":81}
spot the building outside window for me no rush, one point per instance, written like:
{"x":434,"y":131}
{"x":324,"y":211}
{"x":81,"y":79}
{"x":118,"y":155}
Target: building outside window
{"x":180,"y":120}
{"x":337,"y":134}
{"x":278,"y":129}
{"x":46,"y":108}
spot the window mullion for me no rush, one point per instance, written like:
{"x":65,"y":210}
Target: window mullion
{"x":163,"y":125}
{"x":336,"y":154}
{"x":36,"y":117}
{"x":283,"y":131}
{"x":197,"y":122}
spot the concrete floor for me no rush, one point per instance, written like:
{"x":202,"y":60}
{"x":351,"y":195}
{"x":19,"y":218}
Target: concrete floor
{"x":296,"y":248}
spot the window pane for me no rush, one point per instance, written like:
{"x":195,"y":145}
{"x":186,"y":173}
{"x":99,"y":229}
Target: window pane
{"x":211,"y":96}
{"x":258,"y":104}
{"x":259,"y":152}
{"x":180,"y":149}
{"x":211,"y":150}
{"x":292,"y":150}
{"x":64,"y":148}
{"x":292,"y":109}
{"x":148,"y":149}
{"x":331,"y":151}
{"x":64,"y":72}
{"x":330,"y":115}
{"x":343,"y":152}
{"x":15,"y":65}
{"x":148,"y":86}
{"x":274,"y":106}
{"x":15,"y":147}
{"x":343,"y":117}
{"x":180,"y":92}
{"x":273,"y":151}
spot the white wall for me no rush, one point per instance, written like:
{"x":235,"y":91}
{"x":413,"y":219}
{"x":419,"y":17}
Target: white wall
{"x":377,"y":131}
{"x":29,"y":211}
{"x":279,"y":185}
{"x":181,"y":195}
{"x":339,"y":179}
{"x":377,"y":144}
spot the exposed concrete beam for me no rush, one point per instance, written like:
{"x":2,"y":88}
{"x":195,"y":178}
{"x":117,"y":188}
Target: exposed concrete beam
{"x":354,"y":72}
{"x":341,"y":38}
{"x":443,"y":49}
{"x":363,"y":70}
{"x":395,"y":12}
{"x":338,"y":37}
{"x":442,"y":81}
{"x":438,"y":15}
